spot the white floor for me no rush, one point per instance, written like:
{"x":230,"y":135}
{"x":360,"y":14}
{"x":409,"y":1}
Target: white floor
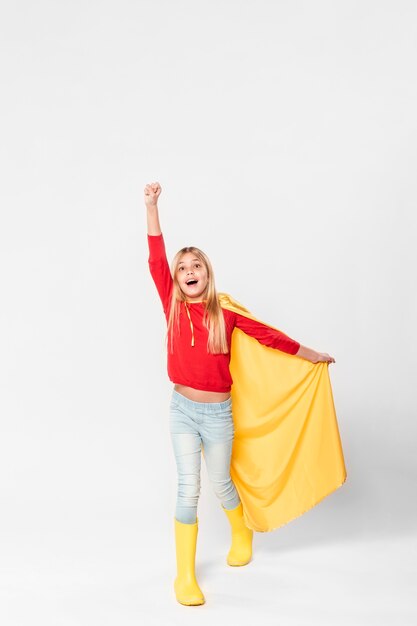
{"x":352,"y":560}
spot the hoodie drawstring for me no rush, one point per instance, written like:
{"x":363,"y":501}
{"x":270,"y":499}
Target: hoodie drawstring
{"x":191,"y":324}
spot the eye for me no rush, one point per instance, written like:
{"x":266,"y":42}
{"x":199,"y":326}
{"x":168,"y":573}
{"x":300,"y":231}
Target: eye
{"x":180,"y":268}
{"x":197,"y":265}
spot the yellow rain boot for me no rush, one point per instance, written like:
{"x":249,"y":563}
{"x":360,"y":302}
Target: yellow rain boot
{"x":186,"y":587}
{"x":240,"y":552}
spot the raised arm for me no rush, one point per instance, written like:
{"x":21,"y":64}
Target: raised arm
{"x":158,"y":263}
{"x":152,"y":193}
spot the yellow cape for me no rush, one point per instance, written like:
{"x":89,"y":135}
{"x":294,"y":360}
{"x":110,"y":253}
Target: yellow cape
{"x":287,"y":453}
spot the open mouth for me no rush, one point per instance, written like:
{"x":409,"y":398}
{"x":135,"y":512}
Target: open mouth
{"x":192,"y":281}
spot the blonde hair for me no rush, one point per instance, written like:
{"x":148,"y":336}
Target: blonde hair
{"x":213,"y":315}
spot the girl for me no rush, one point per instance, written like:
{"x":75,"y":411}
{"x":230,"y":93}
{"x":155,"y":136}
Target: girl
{"x":199,"y":340}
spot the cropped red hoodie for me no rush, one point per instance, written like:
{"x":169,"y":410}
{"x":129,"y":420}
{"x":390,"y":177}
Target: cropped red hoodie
{"x":190,"y":363}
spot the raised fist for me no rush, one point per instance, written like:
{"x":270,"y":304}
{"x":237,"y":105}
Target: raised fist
{"x":152,"y":193}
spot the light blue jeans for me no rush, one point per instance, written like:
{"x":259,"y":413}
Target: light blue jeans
{"x":196,"y":425}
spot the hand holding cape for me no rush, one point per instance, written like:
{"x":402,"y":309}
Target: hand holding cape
{"x":287,"y":453}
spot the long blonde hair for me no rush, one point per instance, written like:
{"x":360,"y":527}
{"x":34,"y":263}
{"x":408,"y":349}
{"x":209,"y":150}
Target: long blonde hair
{"x":213,"y":315}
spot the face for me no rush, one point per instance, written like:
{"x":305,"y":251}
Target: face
{"x":192,"y":276}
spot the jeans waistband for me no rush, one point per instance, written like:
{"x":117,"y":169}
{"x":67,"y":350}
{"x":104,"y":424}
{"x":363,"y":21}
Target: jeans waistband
{"x":207,"y":406}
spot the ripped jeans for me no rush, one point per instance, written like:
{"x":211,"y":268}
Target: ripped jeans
{"x":193,"y":426}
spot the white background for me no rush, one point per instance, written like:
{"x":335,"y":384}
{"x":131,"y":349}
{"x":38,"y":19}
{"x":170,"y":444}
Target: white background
{"x":283,"y":135}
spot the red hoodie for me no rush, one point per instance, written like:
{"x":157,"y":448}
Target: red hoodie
{"x":190,"y":363}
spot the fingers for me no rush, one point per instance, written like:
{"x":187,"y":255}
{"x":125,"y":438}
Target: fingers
{"x":152,"y":189}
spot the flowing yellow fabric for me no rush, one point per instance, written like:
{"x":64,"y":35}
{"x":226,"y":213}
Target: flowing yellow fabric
{"x":287,"y":453}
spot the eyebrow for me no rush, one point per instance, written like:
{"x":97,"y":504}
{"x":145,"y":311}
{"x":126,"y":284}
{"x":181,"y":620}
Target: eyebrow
{"x":182,"y":262}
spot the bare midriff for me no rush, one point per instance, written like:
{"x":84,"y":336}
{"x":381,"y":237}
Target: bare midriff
{"x":197,"y":395}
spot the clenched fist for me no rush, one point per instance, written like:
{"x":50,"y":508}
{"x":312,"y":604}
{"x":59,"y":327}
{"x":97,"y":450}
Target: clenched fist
{"x":152,"y":193}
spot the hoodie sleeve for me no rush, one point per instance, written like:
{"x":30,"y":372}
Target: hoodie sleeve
{"x":159,"y":268}
{"x":266,"y":335}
